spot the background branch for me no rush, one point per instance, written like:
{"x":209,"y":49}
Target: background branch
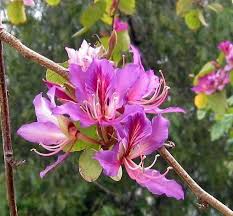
{"x":32,"y":55}
{"x":6,"y":138}
{"x":202,"y":195}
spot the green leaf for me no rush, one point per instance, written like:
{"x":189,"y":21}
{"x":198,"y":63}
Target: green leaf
{"x":207,"y":68}
{"x":123,"y":43}
{"x":16,"y":12}
{"x":183,"y":6}
{"x":201,"y":114}
{"x":80,"y":32}
{"x":127,"y":6}
{"x":89,"y":168}
{"x":231,"y":77}
{"x":192,"y":20}
{"x":53,"y":2}
{"x":230,"y":100}
{"x":202,"y":18}
{"x":221,"y":127}
{"x":80,"y":144}
{"x":54,"y":77}
{"x":218,"y":102}
{"x":93,"y":13}
{"x":216,"y":7}
{"x":221,"y":58}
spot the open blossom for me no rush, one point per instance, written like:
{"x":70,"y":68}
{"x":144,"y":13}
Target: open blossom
{"x":119,"y":25}
{"x":138,"y":137}
{"x":98,"y":100}
{"x":53,"y":133}
{"x":227,"y":48}
{"x":212,"y":82}
{"x":142,"y":87}
{"x":29,"y":3}
{"x":84,"y":56}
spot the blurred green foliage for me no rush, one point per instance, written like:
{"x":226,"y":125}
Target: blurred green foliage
{"x":167,"y":44}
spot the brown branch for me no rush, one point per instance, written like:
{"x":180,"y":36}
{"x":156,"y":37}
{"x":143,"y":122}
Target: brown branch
{"x":202,"y":195}
{"x":32,"y":55}
{"x":6,"y":138}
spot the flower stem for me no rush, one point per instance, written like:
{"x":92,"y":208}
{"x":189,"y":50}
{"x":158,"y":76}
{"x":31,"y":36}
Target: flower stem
{"x":88,"y":139}
{"x":6,"y":137}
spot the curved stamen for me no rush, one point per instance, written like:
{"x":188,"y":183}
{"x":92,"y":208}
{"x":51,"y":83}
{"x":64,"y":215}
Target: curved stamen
{"x":130,"y":167}
{"x":53,"y":152}
{"x":153,"y":163}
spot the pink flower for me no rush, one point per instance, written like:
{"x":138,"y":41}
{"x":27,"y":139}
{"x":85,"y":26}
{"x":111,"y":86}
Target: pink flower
{"x":212,"y":82}
{"x":29,"y":3}
{"x":84,"y":56}
{"x":52,"y":132}
{"x":119,"y":25}
{"x":99,"y":102}
{"x":227,"y":48}
{"x":138,"y":137}
{"x":142,"y":87}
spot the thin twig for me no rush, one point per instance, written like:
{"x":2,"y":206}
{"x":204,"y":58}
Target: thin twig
{"x":32,"y":55}
{"x":202,"y":195}
{"x":6,"y":138}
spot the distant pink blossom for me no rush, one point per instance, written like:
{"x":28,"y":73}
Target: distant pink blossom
{"x":119,"y":25}
{"x":212,"y":82}
{"x":29,"y":3}
{"x":227,"y":48}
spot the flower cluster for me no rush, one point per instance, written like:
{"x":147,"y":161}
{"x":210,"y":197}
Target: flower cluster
{"x":215,"y":75}
{"x":115,"y":101}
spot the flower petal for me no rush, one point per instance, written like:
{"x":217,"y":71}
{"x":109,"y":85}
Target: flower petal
{"x":155,"y":182}
{"x":59,"y":161}
{"x":108,"y":160}
{"x":75,"y":112}
{"x":41,"y":132}
{"x":43,"y":109}
{"x":166,"y":110}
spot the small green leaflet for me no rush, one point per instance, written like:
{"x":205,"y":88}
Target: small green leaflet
{"x":89,"y":168}
{"x":183,"y":6}
{"x":192,"y":20}
{"x":53,"y":2}
{"x":16,"y":12}
{"x":54,"y":77}
{"x":93,"y":13}
{"x":127,"y":6}
{"x":218,"y":102}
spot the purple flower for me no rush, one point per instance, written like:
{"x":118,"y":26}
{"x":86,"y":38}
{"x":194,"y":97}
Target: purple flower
{"x":98,"y":100}
{"x":212,"y":82}
{"x":227,"y":48}
{"x":142,"y":87}
{"x":29,"y":3}
{"x":138,"y":137}
{"x":84,"y":56}
{"x":53,"y":133}
{"x":119,"y":25}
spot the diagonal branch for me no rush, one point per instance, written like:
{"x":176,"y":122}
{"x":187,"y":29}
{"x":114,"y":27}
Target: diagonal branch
{"x":6,"y":138}
{"x":195,"y":188}
{"x":32,"y":55}
{"x":202,"y":195}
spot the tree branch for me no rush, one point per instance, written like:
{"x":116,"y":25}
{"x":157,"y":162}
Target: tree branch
{"x":32,"y":55}
{"x":202,"y":195}
{"x":6,"y":138}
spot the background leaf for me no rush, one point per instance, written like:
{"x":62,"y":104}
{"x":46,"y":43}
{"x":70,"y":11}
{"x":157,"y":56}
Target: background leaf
{"x":127,"y":6}
{"x":93,"y":13}
{"x":192,"y":20}
{"x":16,"y":12}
